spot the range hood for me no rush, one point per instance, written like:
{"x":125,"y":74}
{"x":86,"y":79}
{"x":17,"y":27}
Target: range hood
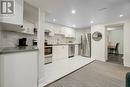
{"x":47,"y":31}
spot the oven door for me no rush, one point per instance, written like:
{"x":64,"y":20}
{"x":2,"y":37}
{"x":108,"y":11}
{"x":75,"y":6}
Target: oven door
{"x":48,"y":51}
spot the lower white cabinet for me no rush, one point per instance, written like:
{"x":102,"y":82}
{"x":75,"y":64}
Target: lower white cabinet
{"x":48,"y":60}
{"x":18,"y":69}
{"x":76,"y":50}
{"x":60,"y":52}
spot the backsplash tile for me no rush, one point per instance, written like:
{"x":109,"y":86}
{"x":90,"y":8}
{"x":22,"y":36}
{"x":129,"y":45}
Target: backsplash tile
{"x":58,"y":39}
{"x":10,"y":39}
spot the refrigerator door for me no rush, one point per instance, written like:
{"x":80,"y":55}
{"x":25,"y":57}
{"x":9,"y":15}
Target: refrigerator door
{"x":86,"y":45}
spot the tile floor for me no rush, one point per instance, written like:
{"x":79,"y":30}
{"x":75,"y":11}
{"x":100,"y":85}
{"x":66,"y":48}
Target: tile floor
{"x":59,"y":69}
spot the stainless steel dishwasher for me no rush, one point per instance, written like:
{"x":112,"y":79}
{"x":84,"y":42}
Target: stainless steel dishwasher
{"x":71,"y":50}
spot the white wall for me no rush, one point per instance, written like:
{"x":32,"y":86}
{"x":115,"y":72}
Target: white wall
{"x":98,"y":47}
{"x":79,"y":32}
{"x":127,"y":43}
{"x":116,"y":36}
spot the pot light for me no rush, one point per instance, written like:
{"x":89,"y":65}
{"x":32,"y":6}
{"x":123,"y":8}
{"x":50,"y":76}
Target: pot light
{"x":74,"y":25}
{"x":121,"y":15}
{"x":73,"y":11}
{"x":91,"y":22}
{"x":54,"y":20}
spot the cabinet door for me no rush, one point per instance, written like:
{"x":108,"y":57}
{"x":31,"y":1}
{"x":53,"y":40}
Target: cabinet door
{"x":28,"y":27}
{"x":18,"y":69}
{"x":65,"y":51}
{"x":50,"y":28}
{"x":76,"y":50}
{"x":60,"y":52}
{"x":57,"y":30}
{"x":69,"y":32}
{"x":17,"y":17}
{"x":56,"y":53}
{"x":73,"y":33}
{"x":66,"y":32}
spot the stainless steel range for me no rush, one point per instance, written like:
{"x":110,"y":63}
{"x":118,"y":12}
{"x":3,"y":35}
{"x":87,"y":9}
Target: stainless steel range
{"x":48,"y":54}
{"x":71,"y":50}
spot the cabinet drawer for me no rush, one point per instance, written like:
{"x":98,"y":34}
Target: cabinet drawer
{"x":48,"y":60}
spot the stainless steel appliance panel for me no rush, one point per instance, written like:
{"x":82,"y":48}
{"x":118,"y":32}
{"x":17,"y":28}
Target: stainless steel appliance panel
{"x":85,"y":45}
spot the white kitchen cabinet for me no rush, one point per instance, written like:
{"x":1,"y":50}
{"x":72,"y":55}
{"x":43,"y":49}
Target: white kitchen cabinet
{"x":60,"y":30}
{"x":54,"y":29}
{"x":30,"y":13}
{"x":17,"y":17}
{"x":76,"y":50}
{"x":60,"y":52}
{"x":28,"y":27}
{"x":49,"y":28}
{"x":69,"y":32}
{"x":18,"y":69}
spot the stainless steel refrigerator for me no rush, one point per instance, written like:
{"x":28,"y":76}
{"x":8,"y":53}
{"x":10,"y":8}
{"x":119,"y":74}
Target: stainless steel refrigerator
{"x":85,"y":48}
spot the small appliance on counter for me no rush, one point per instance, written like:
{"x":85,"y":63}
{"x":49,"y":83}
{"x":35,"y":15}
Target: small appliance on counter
{"x":34,"y":42}
{"x":22,"y":42}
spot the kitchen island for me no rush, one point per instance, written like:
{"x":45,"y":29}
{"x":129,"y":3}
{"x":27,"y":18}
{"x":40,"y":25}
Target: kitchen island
{"x":18,"y":67}
{"x":63,"y":51}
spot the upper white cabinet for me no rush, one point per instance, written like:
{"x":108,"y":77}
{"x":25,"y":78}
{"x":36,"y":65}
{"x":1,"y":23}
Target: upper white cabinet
{"x":49,"y":28}
{"x":24,"y":20}
{"x":30,"y":13}
{"x":54,"y":29}
{"x":17,"y":17}
{"x":69,"y":32}
{"x":30,"y":18}
{"x":28,"y":27}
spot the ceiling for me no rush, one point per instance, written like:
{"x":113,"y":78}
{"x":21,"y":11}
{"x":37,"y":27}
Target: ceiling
{"x":98,"y":11}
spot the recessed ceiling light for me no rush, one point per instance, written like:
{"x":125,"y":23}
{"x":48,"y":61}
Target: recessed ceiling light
{"x":74,"y":25}
{"x":54,"y":20}
{"x":91,"y":22}
{"x":73,"y":11}
{"x":121,"y":15}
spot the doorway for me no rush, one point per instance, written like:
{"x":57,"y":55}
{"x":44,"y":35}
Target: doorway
{"x":115,"y":43}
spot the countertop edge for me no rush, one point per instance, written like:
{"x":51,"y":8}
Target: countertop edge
{"x":18,"y":51}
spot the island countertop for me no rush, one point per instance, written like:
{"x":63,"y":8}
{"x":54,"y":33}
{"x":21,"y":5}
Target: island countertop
{"x":7,"y":50}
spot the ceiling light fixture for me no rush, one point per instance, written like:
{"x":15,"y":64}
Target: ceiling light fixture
{"x":91,"y":22}
{"x":54,"y":20}
{"x":73,"y":11}
{"x":74,"y":25}
{"x":121,"y":15}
